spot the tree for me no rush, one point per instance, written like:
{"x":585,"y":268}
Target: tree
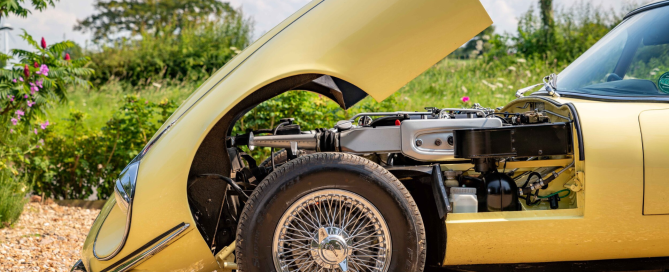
{"x":547,"y":21}
{"x":139,"y":16}
{"x":16,"y":7}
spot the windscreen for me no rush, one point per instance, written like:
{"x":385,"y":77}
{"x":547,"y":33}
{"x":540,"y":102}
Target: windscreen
{"x":632,"y":60}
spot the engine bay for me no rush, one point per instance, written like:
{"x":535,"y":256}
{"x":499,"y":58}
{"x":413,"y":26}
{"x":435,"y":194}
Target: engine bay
{"x":513,"y":158}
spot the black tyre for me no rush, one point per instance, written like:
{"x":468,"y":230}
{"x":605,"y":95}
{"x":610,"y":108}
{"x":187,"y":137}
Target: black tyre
{"x":330,"y":212}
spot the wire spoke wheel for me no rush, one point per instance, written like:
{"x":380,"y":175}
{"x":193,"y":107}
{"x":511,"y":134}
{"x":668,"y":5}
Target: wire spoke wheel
{"x":332,"y":230}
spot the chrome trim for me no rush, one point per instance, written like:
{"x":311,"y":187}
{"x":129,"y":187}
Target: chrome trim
{"x":124,"y":192}
{"x":332,"y":230}
{"x":135,"y":261}
{"x":78,"y":267}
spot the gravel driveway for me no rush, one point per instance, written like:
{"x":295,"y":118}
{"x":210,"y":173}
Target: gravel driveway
{"x":46,"y":238}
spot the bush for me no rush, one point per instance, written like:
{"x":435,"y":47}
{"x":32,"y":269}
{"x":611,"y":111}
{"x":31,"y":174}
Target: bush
{"x":74,"y":163}
{"x":12,"y":198}
{"x":192,"y":54}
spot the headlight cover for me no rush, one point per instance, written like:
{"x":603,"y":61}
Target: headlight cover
{"x":113,"y":232}
{"x":124,"y":189}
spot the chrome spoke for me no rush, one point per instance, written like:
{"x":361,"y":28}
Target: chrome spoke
{"x":332,"y":231}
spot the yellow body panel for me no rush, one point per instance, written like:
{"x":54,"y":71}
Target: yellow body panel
{"x":378,"y":45}
{"x":608,"y":224}
{"x":655,"y":132}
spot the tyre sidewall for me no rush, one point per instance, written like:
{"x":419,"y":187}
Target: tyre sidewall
{"x":328,"y":171}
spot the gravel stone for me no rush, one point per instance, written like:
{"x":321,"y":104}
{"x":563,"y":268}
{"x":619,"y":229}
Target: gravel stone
{"x":46,"y":238}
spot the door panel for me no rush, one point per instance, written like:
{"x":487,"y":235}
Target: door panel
{"x":655,"y":135}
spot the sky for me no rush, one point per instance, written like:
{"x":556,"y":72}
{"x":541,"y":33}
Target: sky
{"x":55,"y":24}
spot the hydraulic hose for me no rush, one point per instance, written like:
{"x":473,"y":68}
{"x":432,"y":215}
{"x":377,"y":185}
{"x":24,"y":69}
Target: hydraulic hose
{"x":542,"y":181}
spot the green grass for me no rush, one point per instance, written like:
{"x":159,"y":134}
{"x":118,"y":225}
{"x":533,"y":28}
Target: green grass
{"x":491,"y":83}
{"x":99,"y":105}
{"x":12,"y":200}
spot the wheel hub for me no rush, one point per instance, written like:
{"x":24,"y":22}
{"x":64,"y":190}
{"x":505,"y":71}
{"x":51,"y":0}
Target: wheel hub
{"x":332,"y":248}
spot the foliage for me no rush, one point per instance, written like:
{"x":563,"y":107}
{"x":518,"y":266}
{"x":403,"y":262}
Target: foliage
{"x":150,"y":16}
{"x":562,"y":35}
{"x":12,"y":192}
{"x":193,"y":54}
{"x":16,"y":7}
{"x":477,"y":46}
{"x":71,"y":164}
{"x":37,"y":81}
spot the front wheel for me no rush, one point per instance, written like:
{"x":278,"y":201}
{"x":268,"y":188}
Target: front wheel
{"x":330,"y":212}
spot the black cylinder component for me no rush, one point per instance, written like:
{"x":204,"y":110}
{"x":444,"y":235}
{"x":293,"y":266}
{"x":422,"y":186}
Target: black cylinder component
{"x":502,"y":192}
{"x":554,"y":200}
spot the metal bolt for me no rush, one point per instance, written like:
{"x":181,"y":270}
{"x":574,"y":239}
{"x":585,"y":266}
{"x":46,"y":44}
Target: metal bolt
{"x":437,"y":142}
{"x":419,"y":142}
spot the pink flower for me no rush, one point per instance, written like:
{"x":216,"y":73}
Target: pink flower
{"x":35,"y":130}
{"x":14,"y":80}
{"x":44,"y":70}
{"x":14,"y":121}
{"x":20,"y":113}
{"x":21,"y":79}
{"x":43,"y":43}
{"x":11,"y":130}
{"x":11,"y":98}
{"x":41,"y":141}
{"x":30,"y":103}
{"x":44,"y":125}
{"x":33,"y":88}
{"x":39,"y":83}
{"x":465,"y":99}
{"x":67,"y":56}
{"x":25,"y":96}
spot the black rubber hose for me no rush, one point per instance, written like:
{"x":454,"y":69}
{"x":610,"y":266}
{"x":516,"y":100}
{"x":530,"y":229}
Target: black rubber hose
{"x":529,"y":178}
{"x":231,"y":182}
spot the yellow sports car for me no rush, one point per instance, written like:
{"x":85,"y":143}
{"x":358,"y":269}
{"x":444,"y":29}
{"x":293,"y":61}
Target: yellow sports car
{"x":575,"y":172}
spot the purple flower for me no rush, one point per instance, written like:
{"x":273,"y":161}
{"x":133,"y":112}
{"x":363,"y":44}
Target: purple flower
{"x":44,"y":70}
{"x":14,"y":80}
{"x":25,"y":96}
{"x":33,"y":88}
{"x":19,"y":112}
{"x":35,"y":130}
{"x":30,"y":103}
{"x":39,"y":83}
{"x":14,"y":121}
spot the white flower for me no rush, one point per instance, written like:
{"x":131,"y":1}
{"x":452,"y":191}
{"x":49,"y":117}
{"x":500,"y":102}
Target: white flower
{"x":521,"y":60}
{"x":501,"y":79}
{"x":464,"y":89}
{"x":512,"y":68}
